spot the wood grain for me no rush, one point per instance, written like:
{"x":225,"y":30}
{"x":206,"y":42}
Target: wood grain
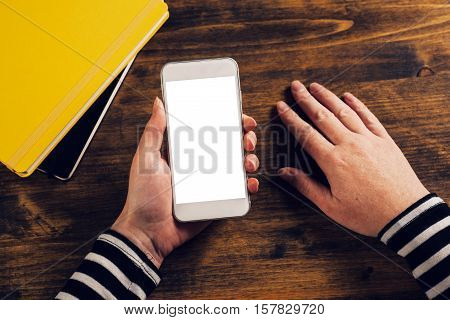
{"x":394,"y":55}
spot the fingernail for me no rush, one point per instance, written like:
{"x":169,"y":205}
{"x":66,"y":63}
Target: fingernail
{"x":250,"y":145}
{"x":159,"y":102}
{"x":349,"y":96}
{"x":252,"y":165}
{"x":284,"y":174}
{"x":315,"y":87}
{"x":155,"y":105}
{"x":297,"y":86}
{"x":256,"y":185}
{"x":252,"y":121}
{"x":281,"y":106}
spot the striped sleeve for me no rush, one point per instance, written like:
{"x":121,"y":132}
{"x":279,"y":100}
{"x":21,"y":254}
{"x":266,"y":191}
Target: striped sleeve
{"x":114,"y":269}
{"x":421,"y":234}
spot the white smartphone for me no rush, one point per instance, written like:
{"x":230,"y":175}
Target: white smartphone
{"x":204,"y":126}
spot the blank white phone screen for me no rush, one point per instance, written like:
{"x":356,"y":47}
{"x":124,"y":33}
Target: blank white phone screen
{"x":205,"y":138}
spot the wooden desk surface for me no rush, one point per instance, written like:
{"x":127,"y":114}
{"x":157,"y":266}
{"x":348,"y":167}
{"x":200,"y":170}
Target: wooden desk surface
{"x":394,"y":55}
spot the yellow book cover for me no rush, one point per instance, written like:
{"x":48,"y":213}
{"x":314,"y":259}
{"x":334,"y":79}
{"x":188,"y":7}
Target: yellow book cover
{"x":56,"y":58}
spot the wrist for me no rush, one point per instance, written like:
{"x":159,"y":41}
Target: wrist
{"x":404,"y":201}
{"x":407,"y":216}
{"x":143,"y":240}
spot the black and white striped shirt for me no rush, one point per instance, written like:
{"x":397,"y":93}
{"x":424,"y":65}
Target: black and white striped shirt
{"x":117,"y":269}
{"x":114,"y":269}
{"x":421,"y":234}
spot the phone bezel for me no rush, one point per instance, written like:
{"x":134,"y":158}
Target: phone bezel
{"x":200,"y":69}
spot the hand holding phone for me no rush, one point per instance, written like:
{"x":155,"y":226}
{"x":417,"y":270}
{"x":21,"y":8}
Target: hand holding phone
{"x":205,"y":135}
{"x":147,"y":217}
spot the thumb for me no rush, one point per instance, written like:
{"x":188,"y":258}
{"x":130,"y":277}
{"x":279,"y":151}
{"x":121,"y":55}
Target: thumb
{"x":306,"y":185}
{"x":154,"y":130}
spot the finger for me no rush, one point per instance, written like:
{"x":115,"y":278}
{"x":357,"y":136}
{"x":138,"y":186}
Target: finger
{"x":306,"y":185}
{"x":251,"y":163}
{"x":343,"y":112}
{"x":309,"y":138}
{"x":154,"y":130}
{"x":248,"y":123}
{"x":321,"y":116}
{"x":368,"y":118}
{"x":250,"y":141}
{"x":252,"y":185}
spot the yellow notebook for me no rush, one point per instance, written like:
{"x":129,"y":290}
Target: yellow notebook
{"x":56,"y":58}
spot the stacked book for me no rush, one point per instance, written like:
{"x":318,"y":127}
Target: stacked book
{"x":57,"y":58}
